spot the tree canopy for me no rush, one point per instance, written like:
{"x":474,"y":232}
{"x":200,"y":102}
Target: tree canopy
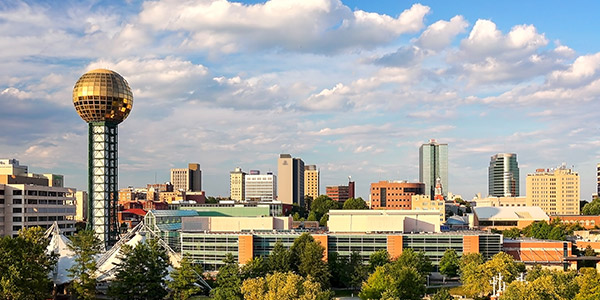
{"x":86,"y":246}
{"x":184,"y":279}
{"x":283,"y":286}
{"x":476,"y":274}
{"x":449,"y":263}
{"x":228,"y":285}
{"x":355,"y":203}
{"x":592,"y":208}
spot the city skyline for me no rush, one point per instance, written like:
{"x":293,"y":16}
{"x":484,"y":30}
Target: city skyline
{"x":355,"y":95}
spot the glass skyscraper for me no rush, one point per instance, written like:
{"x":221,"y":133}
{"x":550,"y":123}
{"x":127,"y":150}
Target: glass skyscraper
{"x":504,"y":175}
{"x":433,"y":164}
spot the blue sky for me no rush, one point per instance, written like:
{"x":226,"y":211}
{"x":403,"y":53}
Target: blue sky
{"x":354,"y":87}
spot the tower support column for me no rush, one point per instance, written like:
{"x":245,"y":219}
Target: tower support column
{"x":103,"y":181}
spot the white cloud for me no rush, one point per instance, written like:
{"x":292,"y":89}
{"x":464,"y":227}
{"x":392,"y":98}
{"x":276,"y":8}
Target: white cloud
{"x":440,"y":34}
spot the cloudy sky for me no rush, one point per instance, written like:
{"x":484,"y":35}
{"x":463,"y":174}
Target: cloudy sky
{"x":354,"y":87}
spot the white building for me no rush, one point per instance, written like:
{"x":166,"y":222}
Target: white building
{"x":260,"y":187}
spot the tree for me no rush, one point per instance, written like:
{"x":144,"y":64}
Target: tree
{"x":312,"y":265}
{"x":589,"y":284}
{"x":211,"y":200}
{"x":312,"y":216}
{"x":442,"y":294}
{"x":475,"y":274}
{"x":377,"y":259}
{"x":184,"y":283}
{"x":347,"y":272}
{"x":589,"y":251}
{"x":257,"y":267}
{"x":85,"y":245}
{"x":557,"y":233}
{"x":543,"y":284}
{"x":513,"y":233}
{"x":25,"y":265}
{"x":141,"y":272}
{"x":538,"y":230}
{"x":355,"y":203}
{"x":280,"y":259}
{"x":592,"y":208}
{"x":283,"y":286}
{"x":449,"y":263}
{"x":323,"y":221}
{"x":470,"y":274}
{"x":228,"y":281}
{"x":394,"y":281}
{"x":414,"y":259}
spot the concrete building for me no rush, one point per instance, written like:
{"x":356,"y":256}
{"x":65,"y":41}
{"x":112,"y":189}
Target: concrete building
{"x":260,"y":187}
{"x":556,"y":191}
{"x":503,"y":178}
{"x":290,"y":180}
{"x":312,"y":181}
{"x":235,"y":224}
{"x":424,"y":202}
{"x":27,"y":200}
{"x":153,"y":190}
{"x":433,"y":164}
{"x":502,"y":218}
{"x":338,"y":193}
{"x":187,"y":179}
{"x":365,"y":220}
{"x":394,"y":194}
{"x":81,"y":204}
{"x":501,"y":201}
{"x":237,"y":189}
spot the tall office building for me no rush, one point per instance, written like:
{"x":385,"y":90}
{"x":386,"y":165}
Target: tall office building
{"x":433,"y":164}
{"x":28,"y":200}
{"x":311,"y":181}
{"x":290,"y":180}
{"x":260,"y":187}
{"x":237,"y":189}
{"x":556,"y":191}
{"x":103,"y":99}
{"x":503,"y":180}
{"x":187,"y":179}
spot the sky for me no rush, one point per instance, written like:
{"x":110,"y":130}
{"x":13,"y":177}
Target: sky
{"x":354,"y":87}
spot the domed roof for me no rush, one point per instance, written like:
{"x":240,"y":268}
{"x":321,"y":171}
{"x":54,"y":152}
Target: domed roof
{"x":102,"y":95}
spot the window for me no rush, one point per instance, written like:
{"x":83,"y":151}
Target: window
{"x":17,"y":219}
{"x":17,"y":192}
{"x":17,"y":201}
{"x":17,"y":210}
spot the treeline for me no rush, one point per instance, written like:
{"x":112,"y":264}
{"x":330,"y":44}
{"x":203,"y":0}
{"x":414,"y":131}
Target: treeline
{"x":317,"y":209}
{"x":554,"y":230}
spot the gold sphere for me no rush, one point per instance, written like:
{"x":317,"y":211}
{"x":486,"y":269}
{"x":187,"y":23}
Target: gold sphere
{"x":102,"y":95}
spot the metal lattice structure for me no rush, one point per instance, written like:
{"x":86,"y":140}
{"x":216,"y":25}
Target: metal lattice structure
{"x":103,"y":181}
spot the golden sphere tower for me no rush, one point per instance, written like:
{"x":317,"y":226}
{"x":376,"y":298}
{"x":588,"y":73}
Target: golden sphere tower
{"x":103,"y":99}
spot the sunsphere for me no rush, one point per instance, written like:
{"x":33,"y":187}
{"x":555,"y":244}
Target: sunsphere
{"x":102,"y":95}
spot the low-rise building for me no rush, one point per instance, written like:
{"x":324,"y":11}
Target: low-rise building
{"x":424,"y":202}
{"x":501,"y":202}
{"x":384,"y":221}
{"x":394,"y":194}
{"x":587,"y":222}
{"x":338,"y":193}
{"x":502,"y":218}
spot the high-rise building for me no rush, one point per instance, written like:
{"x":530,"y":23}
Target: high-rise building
{"x":103,"y":99}
{"x":433,"y":164}
{"x":311,"y":181}
{"x":339,"y":193}
{"x":187,"y":179}
{"x":290,"y":180}
{"x":394,"y":194}
{"x":237,"y":189}
{"x":28,"y":200}
{"x":556,"y":191}
{"x":261,"y":187}
{"x":503,"y":179}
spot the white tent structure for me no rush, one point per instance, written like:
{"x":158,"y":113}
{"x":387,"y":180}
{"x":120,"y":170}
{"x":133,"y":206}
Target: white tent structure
{"x":59,"y":245}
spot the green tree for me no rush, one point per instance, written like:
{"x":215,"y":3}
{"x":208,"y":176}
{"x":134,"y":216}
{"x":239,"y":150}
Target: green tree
{"x":592,"y":208}
{"x":338,"y":268}
{"x":589,"y":251}
{"x":557,"y":233}
{"x":311,"y":264}
{"x":228,"y":281}
{"x":85,"y":245}
{"x":377,"y":259}
{"x":543,"y":284}
{"x":185,"y":278}
{"x":323,"y":221}
{"x":280,"y":259}
{"x":470,"y":274}
{"x":415,"y":259}
{"x":442,"y":294}
{"x":211,"y":200}
{"x":355,"y":203}
{"x":312,"y":216}
{"x":257,"y":267}
{"x":475,"y":274}
{"x":449,"y":263}
{"x":141,"y":272}
{"x":538,"y":230}
{"x":513,"y":233}
{"x":25,"y":265}
{"x":394,"y":281}
{"x":589,"y":284}
{"x":283,"y":286}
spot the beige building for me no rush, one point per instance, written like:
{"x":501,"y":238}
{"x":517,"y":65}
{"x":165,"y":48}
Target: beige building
{"x":424,"y":202}
{"x":311,"y":181}
{"x":384,"y":221}
{"x":235,"y":224}
{"x":556,"y":191}
{"x":237,"y":187}
{"x":501,"y":202}
{"x":290,"y":180}
{"x":28,"y":200}
{"x":187,"y":179}
{"x":260,"y":187}
{"x":81,"y":204}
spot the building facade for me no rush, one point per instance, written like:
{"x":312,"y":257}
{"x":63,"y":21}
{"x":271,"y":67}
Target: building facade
{"x":237,"y":189}
{"x":503,"y":178}
{"x":433,"y":165}
{"x":556,"y":191}
{"x":260,"y":187}
{"x":187,"y":179}
{"x":424,"y":202}
{"x":290,"y":180}
{"x":394,"y":194}
{"x":28,"y":200}
{"x":311,"y":181}
{"x":338,"y":193}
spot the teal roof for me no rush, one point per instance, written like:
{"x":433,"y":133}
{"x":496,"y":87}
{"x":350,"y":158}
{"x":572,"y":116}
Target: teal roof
{"x":169,"y":226}
{"x":174,"y":213}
